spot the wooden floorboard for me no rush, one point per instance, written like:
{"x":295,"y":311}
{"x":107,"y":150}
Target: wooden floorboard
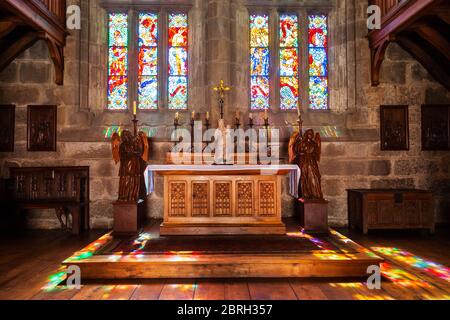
{"x":148,"y":291}
{"x":178,"y":290}
{"x":209,"y":290}
{"x":271,"y":290}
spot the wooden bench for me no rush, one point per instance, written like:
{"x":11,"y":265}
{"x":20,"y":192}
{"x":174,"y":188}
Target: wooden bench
{"x":64,"y":189}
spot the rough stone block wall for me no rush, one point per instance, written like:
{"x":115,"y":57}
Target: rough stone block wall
{"x":219,"y":51}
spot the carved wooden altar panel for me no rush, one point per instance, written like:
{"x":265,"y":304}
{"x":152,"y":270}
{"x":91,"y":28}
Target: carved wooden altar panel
{"x":245,"y":201}
{"x":200,"y":199}
{"x":222,"y":204}
{"x":178,"y":199}
{"x":267,"y":198}
{"x":222,"y":198}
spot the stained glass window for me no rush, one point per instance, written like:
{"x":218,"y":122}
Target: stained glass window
{"x":118,"y":61}
{"x":289,"y":62}
{"x":259,"y":62}
{"x":148,"y":61}
{"x":318,"y":62}
{"x":178,"y":61}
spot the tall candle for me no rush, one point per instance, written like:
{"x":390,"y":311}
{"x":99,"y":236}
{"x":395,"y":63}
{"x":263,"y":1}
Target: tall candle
{"x":250,"y":116}
{"x":193,"y":115}
{"x":266,"y":116}
{"x":207,"y":115}
{"x":134,"y":108}
{"x":237,"y":115}
{"x":177,"y":116}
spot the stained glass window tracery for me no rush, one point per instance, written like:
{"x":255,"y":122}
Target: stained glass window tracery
{"x":118,"y":61}
{"x":318,"y":62}
{"x":148,"y":61}
{"x":289,"y":62}
{"x":259,"y":62}
{"x":178,"y":61}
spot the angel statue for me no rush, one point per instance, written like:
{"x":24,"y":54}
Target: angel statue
{"x":132,"y":153}
{"x":305,"y":151}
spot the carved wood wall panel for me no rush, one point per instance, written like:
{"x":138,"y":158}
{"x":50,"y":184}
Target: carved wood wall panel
{"x":177,"y":199}
{"x":200,"y":199}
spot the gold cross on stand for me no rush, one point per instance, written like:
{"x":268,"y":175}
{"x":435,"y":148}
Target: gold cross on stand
{"x":221,"y":89}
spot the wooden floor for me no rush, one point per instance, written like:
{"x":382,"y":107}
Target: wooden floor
{"x":414,"y":269}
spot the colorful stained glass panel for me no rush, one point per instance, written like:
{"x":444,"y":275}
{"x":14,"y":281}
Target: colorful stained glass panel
{"x":178,"y":61}
{"x":178,"y":93}
{"x":318,"y":93}
{"x":148,"y":61}
{"x":259,"y":61}
{"x":288,"y":93}
{"x":288,"y":30}
{"x":318,"y":62}
{"x":178,"y":30}
{"x":260,"y":93}
{"x":148,"y":29}
{"x":289,"y":62}
{"x":118,"y":29}
{"x":118,"y":93}
{"x":259,"y":31}
{"x":148,"y":92}
{"x":118,"y":61}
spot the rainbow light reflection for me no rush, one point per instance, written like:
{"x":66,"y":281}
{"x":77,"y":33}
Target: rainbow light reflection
{"x":429,"y":267}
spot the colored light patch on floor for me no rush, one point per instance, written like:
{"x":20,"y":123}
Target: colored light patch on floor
{"x":89,"y":251}
{"x":429,"y":267}
{"x":55,"y":279}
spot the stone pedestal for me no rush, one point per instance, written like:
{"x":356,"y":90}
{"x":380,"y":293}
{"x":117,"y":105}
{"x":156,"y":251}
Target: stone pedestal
{"x":128,"y":217}
{"x":314,"y":215}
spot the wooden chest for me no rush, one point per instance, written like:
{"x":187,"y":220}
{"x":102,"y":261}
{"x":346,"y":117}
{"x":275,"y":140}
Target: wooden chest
{"x":390,"y":209}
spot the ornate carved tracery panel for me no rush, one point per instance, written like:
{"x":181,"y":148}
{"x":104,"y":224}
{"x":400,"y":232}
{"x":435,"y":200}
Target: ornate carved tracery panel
{"x":200,"y":199}
{"x":222,"y":199}
{"x":177,"y":199}
{"x":267,"y":198}
{"x":244,"y":198}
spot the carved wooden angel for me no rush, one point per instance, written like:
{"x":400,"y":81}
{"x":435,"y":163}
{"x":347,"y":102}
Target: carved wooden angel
{"x":132,"y":153}
{"x":305,"y":151}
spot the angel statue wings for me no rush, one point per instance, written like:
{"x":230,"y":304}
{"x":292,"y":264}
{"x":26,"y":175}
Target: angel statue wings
{"x":132,"y":153}
{"x":305,"y":151}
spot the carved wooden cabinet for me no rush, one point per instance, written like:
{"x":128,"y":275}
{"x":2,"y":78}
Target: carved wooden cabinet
{"x":219,"y":203}
{"x":65,"y":189}
{"x":390,"y":209}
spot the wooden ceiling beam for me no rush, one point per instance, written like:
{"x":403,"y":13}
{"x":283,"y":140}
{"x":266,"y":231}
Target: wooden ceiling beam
{"x":435,"y":38}
{"x":20,"y":44}
{"x":6,"y":27}
{"x":437,"y":67}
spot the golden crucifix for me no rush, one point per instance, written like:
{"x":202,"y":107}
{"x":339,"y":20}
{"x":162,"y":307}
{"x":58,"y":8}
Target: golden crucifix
{"x":221,"y":89}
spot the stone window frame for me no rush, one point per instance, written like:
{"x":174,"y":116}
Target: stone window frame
{"x":303,"y":12}
{"x":163,"y":10}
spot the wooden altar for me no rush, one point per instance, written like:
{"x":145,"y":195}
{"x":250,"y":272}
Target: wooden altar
{"x":221,"y":199}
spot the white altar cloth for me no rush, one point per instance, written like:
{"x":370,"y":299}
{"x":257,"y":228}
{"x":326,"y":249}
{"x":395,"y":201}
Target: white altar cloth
{"x":294,"y":172}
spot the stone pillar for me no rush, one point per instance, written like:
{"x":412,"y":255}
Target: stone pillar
{"x":218,"y":41}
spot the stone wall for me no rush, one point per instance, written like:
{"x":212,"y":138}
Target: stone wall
{"x":351,"y":159}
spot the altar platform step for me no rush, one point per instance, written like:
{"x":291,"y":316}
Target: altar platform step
{"x":294,"y":255}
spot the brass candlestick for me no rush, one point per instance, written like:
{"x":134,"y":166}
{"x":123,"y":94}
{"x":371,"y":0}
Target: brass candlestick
{"x":192,"y":134}
{"x":266,"y":125}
